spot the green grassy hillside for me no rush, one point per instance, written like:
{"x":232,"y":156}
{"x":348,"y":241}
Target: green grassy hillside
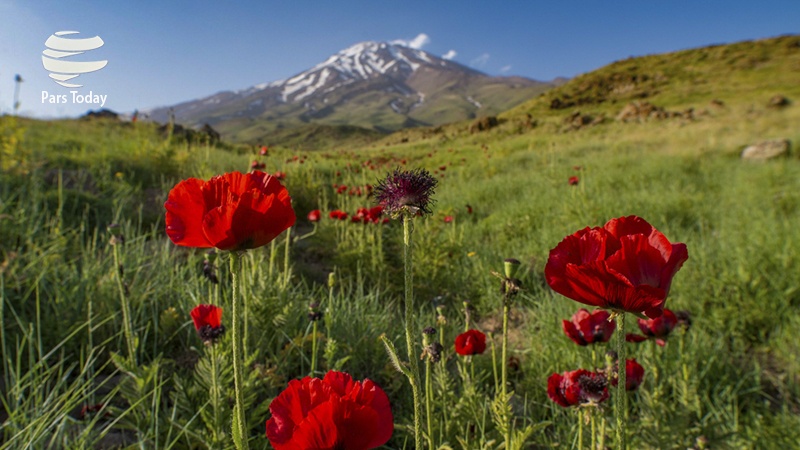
{"x":730,"y":381}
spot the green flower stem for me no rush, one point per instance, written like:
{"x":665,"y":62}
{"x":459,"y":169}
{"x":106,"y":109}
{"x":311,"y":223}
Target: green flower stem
{"x":428,"y":393}
{"x":592,"y":414}
{"x":313,"y":348}
{"x":413,"y":360}
{"x":286,"y":274}
{"x":238,"y":381}
{"x":621,"y":400}
{"x":504,"y":373}
{"x":215,"y":393}
{"x":580,"y":429}
{"x":126,"y":314}
{"x":272,"y":255}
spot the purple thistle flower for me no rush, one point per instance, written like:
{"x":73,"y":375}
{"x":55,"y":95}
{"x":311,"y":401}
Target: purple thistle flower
{"x":406,"y":191}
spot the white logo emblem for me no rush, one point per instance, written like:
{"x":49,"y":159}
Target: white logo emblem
{"x":54,"y":57}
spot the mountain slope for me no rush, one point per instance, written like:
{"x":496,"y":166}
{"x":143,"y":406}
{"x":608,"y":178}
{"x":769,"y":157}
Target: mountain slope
{"x":375,"y":85}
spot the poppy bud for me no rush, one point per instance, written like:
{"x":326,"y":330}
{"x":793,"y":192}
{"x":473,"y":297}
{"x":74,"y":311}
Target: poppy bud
{"x":511,"y":265}
{"x":331,"y":280}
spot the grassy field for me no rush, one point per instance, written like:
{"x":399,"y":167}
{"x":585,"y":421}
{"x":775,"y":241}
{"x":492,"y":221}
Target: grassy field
{"x":731,"y":381}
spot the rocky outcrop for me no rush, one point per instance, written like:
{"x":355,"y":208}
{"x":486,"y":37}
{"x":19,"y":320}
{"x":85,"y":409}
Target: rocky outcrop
{"x":764,"y":150}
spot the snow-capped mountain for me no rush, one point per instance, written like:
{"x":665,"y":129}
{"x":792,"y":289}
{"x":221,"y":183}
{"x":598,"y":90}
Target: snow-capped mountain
{"x":379,"y":85}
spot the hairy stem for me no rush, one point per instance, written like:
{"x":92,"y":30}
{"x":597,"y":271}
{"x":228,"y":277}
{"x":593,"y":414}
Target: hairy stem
{"x":410,"y":327}
{"x":504,"y":374}
{"x":621,"y":400}
{"x":238,"y":381}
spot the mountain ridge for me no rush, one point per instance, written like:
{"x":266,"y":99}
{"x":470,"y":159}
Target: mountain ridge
{"x":375,"y":85}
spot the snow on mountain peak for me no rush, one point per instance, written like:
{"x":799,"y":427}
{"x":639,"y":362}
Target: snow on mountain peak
{"x":362,"y":61}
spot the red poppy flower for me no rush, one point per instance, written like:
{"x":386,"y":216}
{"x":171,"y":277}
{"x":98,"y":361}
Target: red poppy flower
{"x":233,"y":211}
{"x":208,"y":322}
{"x":469,"y":209}
{"x":627,"y":265}
{"x":660,"y":327}
{"x":448,"y":219}
{"x":577,"y":387}
{"x":588,"y":328}
{"x":573,"y":181}
{"x":634,"y":375}
{"x":264,"y":150}
{"x":279,"y":175}
{"x":314,"y":215}
{"x":472,"y":342}
{"x":332,"y":413}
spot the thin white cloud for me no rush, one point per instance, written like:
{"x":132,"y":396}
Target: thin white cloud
{"x":417,"y":43}
{"x":480,"y":61}
{"x":449,"y":55}
{"x":505,"y":69}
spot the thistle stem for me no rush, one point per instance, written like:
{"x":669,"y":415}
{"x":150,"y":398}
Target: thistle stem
{"x":410,"y":327}
{"x":621,"y":400}
{"x":428,"y":400}
{"x":238,"y":381}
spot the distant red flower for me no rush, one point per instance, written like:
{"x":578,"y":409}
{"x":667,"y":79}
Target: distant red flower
{"x":255,"y":165}
{"x":279,"y":175}
{"x":660,"y":327}
{"x":577,"y":387}
{"x":573,"y":180}
{"x":335,"y":412}
{"x":635,"y":338}
{"x":469,"y":209}
{"x":341,"y":189}
{"x":472,"y":342}
{"x":90,"y":410}
{"x":233,"y":211}
{"x":588,"y":328}
{"x":627,"y":265}
{"x":264,"y":150}
{"x":634,"y":375}
{"x":314,"y":215}
{"x":442,"y":168}
{"x":338,"y":214}
{"x":208,"y":322}
{"x":448,"y":219}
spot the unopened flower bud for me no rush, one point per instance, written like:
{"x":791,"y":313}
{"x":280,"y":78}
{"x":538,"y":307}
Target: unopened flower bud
{"x":331,"y":280}
{"x":510,"y":265}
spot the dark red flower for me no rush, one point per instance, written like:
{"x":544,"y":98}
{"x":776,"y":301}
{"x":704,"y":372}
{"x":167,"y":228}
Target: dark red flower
{"x":314,"y":215}
{"x":279,"y":175}
{"x":208,"y":322}
{"x":573,"y":181}
{"x":660,"y":327}
{"x":332,"y":413}
{"x":472,"y":342}
{"x":577,"y":387}
{"x":448,"y":219}
{"x":635,"y":338}
{"x":588,"y":328}
{"x":634,"y":375}
{"x":337,"y":214}
{"x":255,"y":165}
{"x":233,"y":211}
{"x":627,"y":265}
{"x":469,"y":209}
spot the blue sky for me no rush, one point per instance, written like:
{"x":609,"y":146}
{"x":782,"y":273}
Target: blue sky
{"x":162,"y":53}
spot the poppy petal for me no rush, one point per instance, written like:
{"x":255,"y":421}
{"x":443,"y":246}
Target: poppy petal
{"x":185,"y":209}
